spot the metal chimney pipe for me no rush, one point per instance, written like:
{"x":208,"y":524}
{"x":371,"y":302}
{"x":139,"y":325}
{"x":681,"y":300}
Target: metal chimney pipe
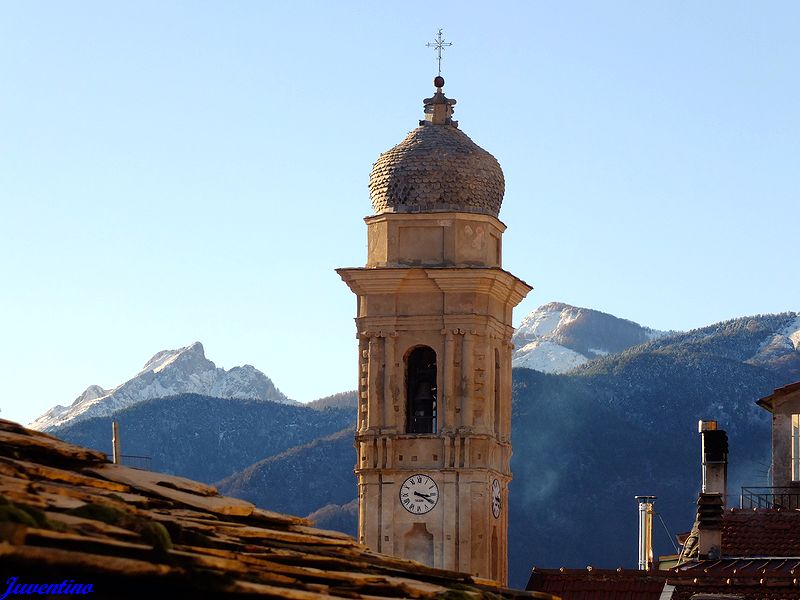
{"x":116,"y":455}
{"x":645,"y":532}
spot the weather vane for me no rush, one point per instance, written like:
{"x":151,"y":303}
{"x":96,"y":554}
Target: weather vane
{"x":439,"y":45}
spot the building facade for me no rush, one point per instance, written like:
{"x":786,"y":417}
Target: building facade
{"x":433,"y":321}
{"x":784,"y":404}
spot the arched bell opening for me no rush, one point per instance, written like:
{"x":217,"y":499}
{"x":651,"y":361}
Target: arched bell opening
{"x":421,"y":390}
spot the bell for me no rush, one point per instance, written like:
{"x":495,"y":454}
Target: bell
{"x":423,"y":393}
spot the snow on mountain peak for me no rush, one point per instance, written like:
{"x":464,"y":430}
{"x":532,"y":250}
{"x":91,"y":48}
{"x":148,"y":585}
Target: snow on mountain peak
{"x":166,"y":357}
{"x":793,"y":333}
{"x":91,"y":393}
{"x":547,"y":320}
{"x":558,"y":337}
{"x":548,"y":357}
{"x":167,"y":373}
{"x":783,"y":345}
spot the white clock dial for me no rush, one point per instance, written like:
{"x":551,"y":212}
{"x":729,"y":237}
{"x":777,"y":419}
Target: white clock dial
{"x":496,"y":501}
{"x":419,"y":494}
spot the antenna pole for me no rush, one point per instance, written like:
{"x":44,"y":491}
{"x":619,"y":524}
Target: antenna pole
{"x":115,"y":443}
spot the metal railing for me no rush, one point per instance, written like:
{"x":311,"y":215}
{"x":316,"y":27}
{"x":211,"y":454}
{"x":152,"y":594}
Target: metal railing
{"x":144,"y":463}
{"x":770,"y":497}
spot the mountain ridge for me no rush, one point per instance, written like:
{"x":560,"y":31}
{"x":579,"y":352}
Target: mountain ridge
{"x":167,"y":373}
{"x":558,"y":337}
{"x":206,"y":438}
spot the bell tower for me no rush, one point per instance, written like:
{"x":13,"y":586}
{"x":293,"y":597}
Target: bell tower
{"x":433,"y":322}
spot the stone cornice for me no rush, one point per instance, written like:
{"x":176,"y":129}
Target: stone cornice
{"x":492,"y":281}
{"x":438,"y":216}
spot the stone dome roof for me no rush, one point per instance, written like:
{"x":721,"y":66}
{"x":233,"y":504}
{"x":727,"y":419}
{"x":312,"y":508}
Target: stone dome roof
{"x":437,"y":168}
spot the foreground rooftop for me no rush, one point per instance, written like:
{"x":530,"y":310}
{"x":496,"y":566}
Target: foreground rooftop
{"x":68,"y":514}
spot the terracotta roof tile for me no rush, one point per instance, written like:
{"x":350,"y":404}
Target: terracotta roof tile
{"x":745,"y":578}
{"x":761,"y":532}
{"x":598,"y":584}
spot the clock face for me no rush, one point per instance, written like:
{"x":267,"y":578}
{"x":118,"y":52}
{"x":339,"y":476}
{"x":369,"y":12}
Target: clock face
{"x":496,"y":502}
{"x":419,"y":494}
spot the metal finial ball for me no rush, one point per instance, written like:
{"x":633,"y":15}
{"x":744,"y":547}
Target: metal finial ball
{"x":438,"y":81}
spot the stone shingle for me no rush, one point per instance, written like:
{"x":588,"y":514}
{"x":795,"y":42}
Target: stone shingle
{"x":437,"y":168}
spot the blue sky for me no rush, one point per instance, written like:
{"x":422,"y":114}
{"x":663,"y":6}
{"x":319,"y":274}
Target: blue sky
{"x":181,"y":171}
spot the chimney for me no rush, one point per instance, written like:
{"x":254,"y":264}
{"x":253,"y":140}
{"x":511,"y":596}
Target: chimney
{"x":116,"y":453}
{"x":645,"y":532}
{"x":709,"y":526}
{"x":715,"y":459}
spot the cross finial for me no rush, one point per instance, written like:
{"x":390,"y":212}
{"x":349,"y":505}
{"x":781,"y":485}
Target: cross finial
{"x":439,"y":45}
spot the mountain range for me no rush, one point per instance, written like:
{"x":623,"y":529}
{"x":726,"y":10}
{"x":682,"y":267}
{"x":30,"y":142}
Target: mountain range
{"x":206,"y":438}
{"x":620,"y":423}
{"x":168,"y":373}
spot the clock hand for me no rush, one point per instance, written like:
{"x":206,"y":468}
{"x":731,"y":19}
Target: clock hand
{"x":425,"y":496}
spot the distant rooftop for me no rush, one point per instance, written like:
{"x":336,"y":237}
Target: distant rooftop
{"x":755,"y":533}
{"x":762,"y":532}
{"x":768,"y":402}
{"x":598,"y":584}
